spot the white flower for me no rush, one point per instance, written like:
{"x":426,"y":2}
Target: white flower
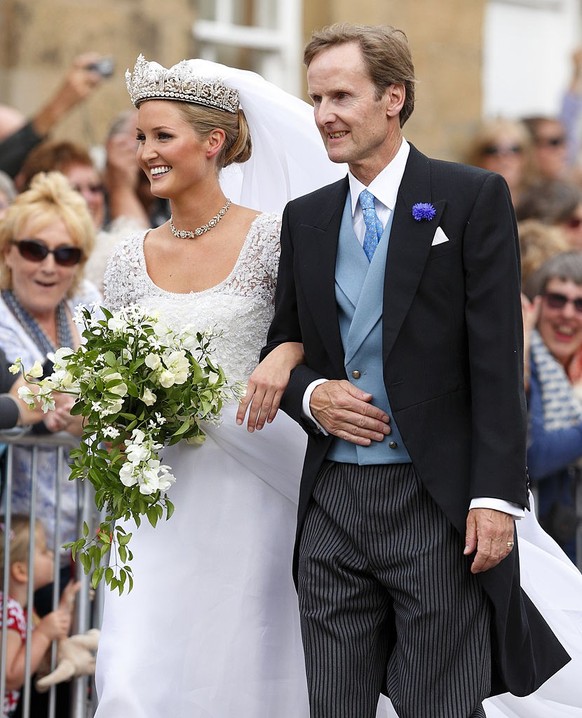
{"x":17,"y":367}
{"x":127,"y":475}
{"x":119,"y":387}
{"x":189,"y":339}
{"x":149,"y":480}
{"x":27,"y":396}
{"x":78,"y":315}
{"x":148,"y":397}
{"x":117,"y":324}
{"x":155,"y":478}
{"x":177,"y":363}
{"x":162,"y":331}
{"x":137,"y":436}
{"x":63,"y":379}
{"x":42,"y":395}
{"x":153,"y":361}
{"x":136,"y":453}
{"x":166,"y":479}
{"x":112,"y":407}
{"x":36,"y":371}
{"x":59,"y":358}
{"x":166,"y":378}
{"x":110,"y":432}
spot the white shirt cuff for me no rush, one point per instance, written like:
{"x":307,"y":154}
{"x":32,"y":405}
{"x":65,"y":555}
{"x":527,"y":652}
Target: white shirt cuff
{"x":306,"y":409}
{"x":508,"y":507}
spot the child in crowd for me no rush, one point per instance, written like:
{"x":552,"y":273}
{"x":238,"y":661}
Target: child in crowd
{"x":53,"y":626}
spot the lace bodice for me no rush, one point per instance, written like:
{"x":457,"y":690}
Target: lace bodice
{"x":240,"y":307}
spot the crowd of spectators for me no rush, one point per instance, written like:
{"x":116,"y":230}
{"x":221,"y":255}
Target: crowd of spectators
{"x":540,"y":158}
{"x":63,"y":208}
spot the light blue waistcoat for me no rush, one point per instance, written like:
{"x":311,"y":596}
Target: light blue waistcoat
{"x":359,"y":290}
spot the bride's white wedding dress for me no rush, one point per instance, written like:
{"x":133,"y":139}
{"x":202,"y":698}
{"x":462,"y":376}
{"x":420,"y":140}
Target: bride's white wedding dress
{"x":211,"y":628}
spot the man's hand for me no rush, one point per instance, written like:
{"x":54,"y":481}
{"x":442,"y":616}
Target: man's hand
{"x":346,"y":412}
{"x":491,"y":534}
{"x":77,"y":84}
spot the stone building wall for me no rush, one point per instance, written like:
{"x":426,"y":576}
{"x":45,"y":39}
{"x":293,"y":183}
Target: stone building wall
{"x":39,"y":39}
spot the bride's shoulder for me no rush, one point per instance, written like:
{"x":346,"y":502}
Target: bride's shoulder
{"x":268,"y":221}
{"x":266,"y":228}
{"x":261,"y":250}
{"x":131,"y":245}
{"x":124,"y":268}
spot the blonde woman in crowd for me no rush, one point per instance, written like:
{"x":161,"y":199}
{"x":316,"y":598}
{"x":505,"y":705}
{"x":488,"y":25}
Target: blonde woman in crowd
{"x":502,"y":145}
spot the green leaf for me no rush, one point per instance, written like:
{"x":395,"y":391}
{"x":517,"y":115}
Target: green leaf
{"x":124,"y":540}
{"x":85,"y":562}
{"x":97,"y":576}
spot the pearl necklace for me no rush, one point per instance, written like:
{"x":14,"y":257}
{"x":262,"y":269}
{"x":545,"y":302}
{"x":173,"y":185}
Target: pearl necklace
{"x":192,"y":234}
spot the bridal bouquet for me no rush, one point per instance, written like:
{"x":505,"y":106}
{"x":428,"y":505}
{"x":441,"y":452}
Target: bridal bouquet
{"x":139,"y":385}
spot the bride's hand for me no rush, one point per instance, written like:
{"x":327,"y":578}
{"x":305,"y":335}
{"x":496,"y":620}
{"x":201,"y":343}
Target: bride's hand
{"x":267,"y":384}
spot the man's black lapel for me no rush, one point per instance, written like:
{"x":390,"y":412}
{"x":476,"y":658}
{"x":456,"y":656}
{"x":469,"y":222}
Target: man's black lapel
{"x":409,"y":246}
{"x":318,"y":252}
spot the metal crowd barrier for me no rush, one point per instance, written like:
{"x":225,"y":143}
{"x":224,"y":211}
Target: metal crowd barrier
{"x":88,"y":604}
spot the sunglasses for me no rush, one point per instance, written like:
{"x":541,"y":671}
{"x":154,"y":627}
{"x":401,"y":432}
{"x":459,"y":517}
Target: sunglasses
{"x":559,"y":301}
{"x":495,"y":150}
{"x":35,"y":251}
{"x":550,"y":141}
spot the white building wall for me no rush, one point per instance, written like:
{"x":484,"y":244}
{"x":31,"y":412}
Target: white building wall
{"x":274,"y":37}
{"x":528,"y":46}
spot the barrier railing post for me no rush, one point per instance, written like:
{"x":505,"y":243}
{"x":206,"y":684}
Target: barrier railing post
{"x":82,"y":704}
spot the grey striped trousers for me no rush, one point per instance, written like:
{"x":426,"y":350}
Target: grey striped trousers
{"x":387,"y":600}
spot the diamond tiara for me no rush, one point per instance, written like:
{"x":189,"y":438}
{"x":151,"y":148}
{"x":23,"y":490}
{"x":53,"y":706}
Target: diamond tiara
{"x":151,"y":81}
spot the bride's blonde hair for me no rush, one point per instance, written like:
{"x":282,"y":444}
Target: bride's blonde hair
{"x":237,"y":145}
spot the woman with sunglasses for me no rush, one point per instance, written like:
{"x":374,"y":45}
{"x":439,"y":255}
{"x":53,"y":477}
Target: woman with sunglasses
{"x":502,"y":145}
{"x":557,"y":203}
{"x":555,"y":399}
{"x":45,"y":240}
{"x":111,"y":197}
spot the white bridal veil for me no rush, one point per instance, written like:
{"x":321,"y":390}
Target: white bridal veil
{"x":288,"y":158}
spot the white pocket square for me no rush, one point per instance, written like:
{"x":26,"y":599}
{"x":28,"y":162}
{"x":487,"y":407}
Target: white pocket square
{"x":439,"y":237}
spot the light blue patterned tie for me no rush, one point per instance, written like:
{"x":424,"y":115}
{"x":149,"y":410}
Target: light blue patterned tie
{"x":374,"y":227}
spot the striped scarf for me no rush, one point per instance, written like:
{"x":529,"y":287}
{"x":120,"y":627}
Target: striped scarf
{"x":561,"y":407}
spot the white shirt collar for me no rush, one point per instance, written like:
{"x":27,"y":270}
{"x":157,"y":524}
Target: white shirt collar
{"x":385,"y":185}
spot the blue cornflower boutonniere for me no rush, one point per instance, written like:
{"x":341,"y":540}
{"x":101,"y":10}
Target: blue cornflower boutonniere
{"x":423,"y":211}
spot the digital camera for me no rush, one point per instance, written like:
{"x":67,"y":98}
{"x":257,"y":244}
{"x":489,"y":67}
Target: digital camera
{"x":105,"y":66}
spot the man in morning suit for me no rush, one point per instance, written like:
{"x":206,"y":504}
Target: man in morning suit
{"x":402,"y":282}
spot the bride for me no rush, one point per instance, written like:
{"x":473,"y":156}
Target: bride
{"x":211,"y":627}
